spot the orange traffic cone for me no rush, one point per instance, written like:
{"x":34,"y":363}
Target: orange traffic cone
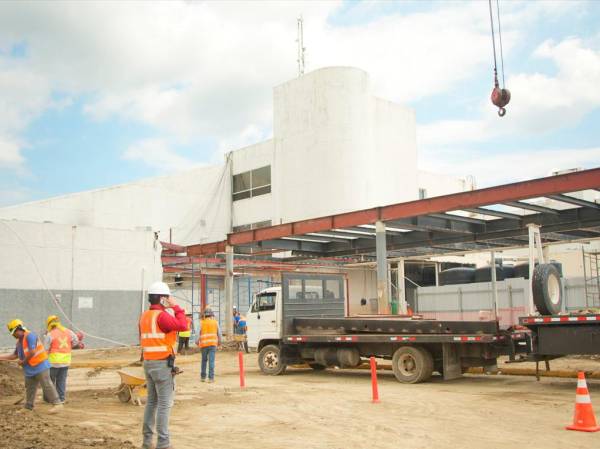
{"x":584,"y":419}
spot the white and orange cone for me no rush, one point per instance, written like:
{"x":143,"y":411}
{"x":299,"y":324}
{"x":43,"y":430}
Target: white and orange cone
{"x":584,"y":419}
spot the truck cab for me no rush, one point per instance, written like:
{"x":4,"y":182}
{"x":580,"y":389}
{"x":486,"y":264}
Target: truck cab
{"x":264,"y":318}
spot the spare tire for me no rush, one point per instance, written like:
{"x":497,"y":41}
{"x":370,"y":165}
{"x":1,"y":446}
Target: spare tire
{"x":547,"y":289}
{"x":522,"y":270}
{"x":459,"y":275}
{"x":484,"y":274}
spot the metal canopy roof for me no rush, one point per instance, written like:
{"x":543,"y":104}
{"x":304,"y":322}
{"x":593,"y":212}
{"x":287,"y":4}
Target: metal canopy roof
{"x":477,"y":220}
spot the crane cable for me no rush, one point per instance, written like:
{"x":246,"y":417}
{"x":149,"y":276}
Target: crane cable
{"x":494,"y":43}
{"x":500,"y":96}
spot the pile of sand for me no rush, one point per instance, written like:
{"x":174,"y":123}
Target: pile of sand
{"x":11,"y":379}
{"x":33,"y":430}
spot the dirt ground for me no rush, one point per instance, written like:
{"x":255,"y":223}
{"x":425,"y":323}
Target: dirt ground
{"x":305,"y":409}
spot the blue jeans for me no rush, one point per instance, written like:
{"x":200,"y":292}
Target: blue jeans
{"x":59,"y":379}
{"x":208,"y":355}
{"x":161,"y":386}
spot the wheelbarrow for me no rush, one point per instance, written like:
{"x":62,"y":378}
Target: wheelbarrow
{"x":132,"y":388}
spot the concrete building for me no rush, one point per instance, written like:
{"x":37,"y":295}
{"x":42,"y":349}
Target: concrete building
{"x":335,"y":148}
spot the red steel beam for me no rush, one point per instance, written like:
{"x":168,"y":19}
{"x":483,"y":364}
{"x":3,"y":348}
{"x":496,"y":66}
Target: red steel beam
{"x":570,"y":182}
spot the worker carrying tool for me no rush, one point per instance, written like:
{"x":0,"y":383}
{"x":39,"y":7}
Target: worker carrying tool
{"x":34,"y":360}
{"x":500,"y":96}
{"x":59,"y":343}
{"x":158,"y":337}
{"x":209,"y":339}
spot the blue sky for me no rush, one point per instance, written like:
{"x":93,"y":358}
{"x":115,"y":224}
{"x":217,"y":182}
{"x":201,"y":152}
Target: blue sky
{"x":95,"y":95}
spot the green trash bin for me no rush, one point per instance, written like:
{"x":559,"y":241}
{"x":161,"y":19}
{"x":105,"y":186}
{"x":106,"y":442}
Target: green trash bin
{"x":394,"y":307}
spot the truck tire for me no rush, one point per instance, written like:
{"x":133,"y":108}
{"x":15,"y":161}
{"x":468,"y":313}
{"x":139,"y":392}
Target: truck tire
{"x":317,"y":366}
{"x":412,"y":364}
{"x":484,"y":274}
{"x":269,"y":360}
{"x":547,"y":289}
{"x":459,"y":275}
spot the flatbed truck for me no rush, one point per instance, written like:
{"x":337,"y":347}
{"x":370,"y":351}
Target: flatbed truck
{"x":304,"y":320}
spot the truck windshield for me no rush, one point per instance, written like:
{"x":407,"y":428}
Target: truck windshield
{"x":264,"y":301}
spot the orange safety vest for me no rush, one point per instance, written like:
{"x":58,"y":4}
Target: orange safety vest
{"x":39,"y":353}
{"x":209,"y":329}
{"x":61,"y":346}
{"x":156,"y":345}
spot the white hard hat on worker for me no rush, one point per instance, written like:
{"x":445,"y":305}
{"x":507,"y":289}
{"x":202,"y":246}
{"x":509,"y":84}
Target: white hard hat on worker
{"x":159,"y":288}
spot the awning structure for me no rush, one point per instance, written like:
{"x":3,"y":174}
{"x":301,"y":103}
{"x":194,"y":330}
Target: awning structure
{"x":493,"y":218}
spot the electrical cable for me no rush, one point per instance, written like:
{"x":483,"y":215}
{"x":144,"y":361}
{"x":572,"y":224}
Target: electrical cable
{"x":53,"y":296}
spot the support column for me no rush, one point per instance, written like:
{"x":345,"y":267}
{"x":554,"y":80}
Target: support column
{"x":228,"y":330}
{"x":437,"y":274}
{"x":402,"y":289}
{"x":494,"y":285}
{"x":203,"y":292}
{"x":382,"y":268}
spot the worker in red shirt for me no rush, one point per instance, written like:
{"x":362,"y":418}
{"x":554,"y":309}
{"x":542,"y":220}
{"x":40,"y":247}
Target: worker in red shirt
{"x":158,"y":337}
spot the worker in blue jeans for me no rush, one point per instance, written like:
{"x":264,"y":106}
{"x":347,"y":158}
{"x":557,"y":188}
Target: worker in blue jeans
{"x":208,"y":340}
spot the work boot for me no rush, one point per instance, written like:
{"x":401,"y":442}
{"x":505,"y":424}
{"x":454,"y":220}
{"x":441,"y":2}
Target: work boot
{"x":210,"y":381}
{"x":56,"y":408}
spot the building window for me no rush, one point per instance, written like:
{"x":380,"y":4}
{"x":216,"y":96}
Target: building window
{"x":248,"y":227}
{"x":422,"y":194}
{"x":252,"y":183}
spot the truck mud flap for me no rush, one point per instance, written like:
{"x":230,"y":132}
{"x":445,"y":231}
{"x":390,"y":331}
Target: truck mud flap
{"x":451,"y":363}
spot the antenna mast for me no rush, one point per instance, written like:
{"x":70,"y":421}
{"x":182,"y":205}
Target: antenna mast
{"x":301,"y":47}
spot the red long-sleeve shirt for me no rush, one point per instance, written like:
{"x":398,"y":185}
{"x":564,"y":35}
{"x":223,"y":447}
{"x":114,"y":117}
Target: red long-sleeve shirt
{"x":168,"y":322}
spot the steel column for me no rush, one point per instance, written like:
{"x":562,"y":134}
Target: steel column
{"x":382,"y":271}
{"x":494,"y":285}
{"x":228,"y":292}
{"x":401,"y":288}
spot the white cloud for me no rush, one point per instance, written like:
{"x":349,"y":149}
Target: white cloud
{"x":156,"y":153}
{"x":494,"y":168}
{"x":540,"y":104}
{"x":10,"y":153}
{"x":206,"y":70}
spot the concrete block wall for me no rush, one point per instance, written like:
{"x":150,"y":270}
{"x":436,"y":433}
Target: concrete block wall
{"x":99,"y":277}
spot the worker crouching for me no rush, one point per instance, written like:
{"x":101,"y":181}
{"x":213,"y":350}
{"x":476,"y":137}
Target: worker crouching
{"x":158,"y":337}
{"x":59,"y":343}
{"x":34,"y":360}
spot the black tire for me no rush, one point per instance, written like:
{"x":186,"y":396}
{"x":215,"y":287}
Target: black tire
{"x":269,"y":360}
{"x":460,"y":275}
{"x":484,"y":274}
{"x":124,"y":393}
{"x":522,"y":270}
{"x":547,"y":289}
{"x":317,"y":366}
{"x":412,"y":364}
{"x":508,"y":271}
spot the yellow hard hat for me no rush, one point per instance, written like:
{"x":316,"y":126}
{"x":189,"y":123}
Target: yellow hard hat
{"x":14,"y":325}
{"x":52,"y":318}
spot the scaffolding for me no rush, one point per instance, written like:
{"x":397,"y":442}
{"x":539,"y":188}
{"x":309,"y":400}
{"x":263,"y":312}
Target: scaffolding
{"x":591,"y":261}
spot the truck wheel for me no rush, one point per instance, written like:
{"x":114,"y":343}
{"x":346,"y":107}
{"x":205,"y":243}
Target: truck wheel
{"x":412,"y":364}
{"x":317,"y":366}
{"x":269,"y":360}
{"x":547,"y":291}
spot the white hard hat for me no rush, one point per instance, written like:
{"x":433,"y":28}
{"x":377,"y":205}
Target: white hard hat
{"x":159,"y":288}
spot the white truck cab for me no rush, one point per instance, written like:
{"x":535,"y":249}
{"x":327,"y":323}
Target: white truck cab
{"x":264,"y":317}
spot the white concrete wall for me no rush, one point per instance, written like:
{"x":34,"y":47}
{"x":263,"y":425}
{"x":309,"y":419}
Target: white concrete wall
{"x":195,"y":204}
{"x":338,"y":148}
{"x":76,"y":257}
